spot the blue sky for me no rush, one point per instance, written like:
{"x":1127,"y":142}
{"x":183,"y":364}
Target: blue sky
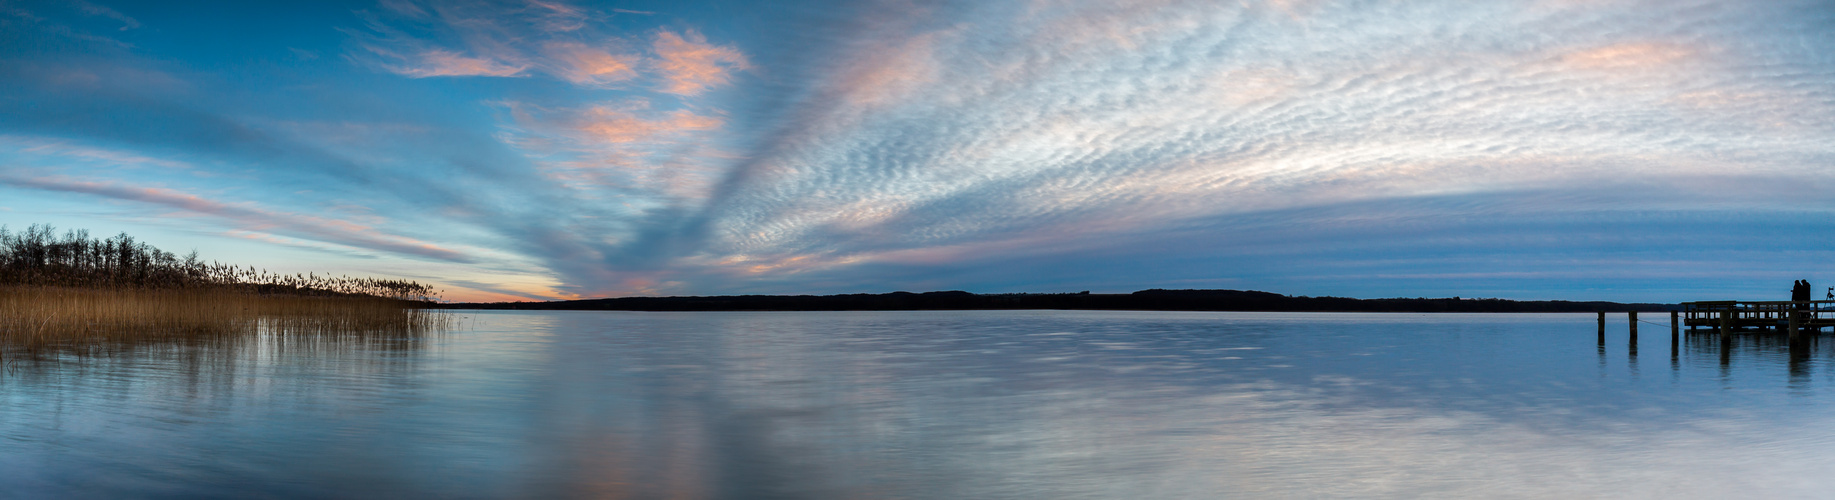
{"x":1618,"y":150}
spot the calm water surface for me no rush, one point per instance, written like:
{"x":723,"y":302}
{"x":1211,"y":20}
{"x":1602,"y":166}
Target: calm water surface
{"x":993,"y":404}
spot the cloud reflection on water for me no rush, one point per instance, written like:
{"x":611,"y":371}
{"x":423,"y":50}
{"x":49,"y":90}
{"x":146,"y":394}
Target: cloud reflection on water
{"x":992,"y":404}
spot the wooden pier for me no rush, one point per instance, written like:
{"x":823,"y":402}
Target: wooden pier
{"x":1797,"y":324}
{"x":1732,"y":316}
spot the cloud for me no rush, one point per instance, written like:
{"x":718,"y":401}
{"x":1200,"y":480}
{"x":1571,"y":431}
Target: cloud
{"x":1622,"y":56}
{"x":916,"y":138}
{"x":1000,"y":128}
{"x":250,"y":218}
{"x":559,"y":17}
{"x":127,"y":23}
{"x":18,"y":21}
{"x":446,"y":39}
{"x":508,"y":39}
{"x":479,"y":291}
{"x":690,"y":65}
{"x":437,"y":62}
{"x":105,"y":156}
{"x":648,"y":154}
{"x":623,"y":126}
{"x":584,"y":65}
{"x":877,"y":145}
{"x":886,"y":75}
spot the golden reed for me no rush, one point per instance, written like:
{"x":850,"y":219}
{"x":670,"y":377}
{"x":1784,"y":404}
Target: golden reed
{"x":71,"y":293}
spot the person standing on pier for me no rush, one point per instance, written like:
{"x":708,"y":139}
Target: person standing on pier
{"x":1809,"y":294}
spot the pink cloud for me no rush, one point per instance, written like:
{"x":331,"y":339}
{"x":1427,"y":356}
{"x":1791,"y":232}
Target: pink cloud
{"x":249,"y":218}
{"x":581,"y":64}
{"x":621,"y":126}
{"x":540,"y":36}
{"x":625,"y":144}
{"x":464,"y":290}
{"x":1628,"y":56}
{"x":689,"y":65}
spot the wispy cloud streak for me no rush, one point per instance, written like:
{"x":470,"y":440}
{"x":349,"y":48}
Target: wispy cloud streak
{"x":127,"y":23}
{"x":250,"y":218}
{"x":437,"y":62}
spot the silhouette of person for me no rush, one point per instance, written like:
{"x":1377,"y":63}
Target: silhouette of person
{"x":1831,"y":295}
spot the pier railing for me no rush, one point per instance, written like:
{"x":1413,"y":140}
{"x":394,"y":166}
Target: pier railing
{"x":1733,"y":315}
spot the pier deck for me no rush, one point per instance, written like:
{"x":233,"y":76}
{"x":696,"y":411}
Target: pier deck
{"x":1730,"y":316}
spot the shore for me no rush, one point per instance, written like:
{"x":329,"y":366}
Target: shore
{"x":1144,"y":300}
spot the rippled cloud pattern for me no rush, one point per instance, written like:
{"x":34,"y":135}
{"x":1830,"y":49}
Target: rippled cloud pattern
{"x":1533,"y":149}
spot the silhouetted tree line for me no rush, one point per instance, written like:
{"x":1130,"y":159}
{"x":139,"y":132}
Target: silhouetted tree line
{"x":39,"y":257}
{"x":1148,"y":300}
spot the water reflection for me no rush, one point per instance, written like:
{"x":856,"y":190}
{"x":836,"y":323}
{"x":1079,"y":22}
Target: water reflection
{"x":222,"y":355}
{"x":1006,"y":404}
{"x":1762,"y":348}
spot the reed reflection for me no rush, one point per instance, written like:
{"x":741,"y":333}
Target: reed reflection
{"x":264,"y":347}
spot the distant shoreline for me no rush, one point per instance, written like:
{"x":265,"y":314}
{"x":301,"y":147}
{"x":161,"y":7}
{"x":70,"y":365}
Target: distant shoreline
{"x":1144,"y":300}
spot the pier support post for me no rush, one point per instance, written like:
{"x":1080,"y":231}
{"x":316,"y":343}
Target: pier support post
{"x":1602,"y":328}
{"x":1675,"y":333}
{"x":1632,"y":315}
{"x":1796,"y":323}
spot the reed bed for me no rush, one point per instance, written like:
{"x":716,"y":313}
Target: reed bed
{"x":75,"y":294}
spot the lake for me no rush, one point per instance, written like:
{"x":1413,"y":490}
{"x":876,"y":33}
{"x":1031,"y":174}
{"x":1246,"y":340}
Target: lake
{"x":936,"y":404}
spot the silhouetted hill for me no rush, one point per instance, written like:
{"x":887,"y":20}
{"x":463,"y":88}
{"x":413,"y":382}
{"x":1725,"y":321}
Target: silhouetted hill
{"x":1144,"y":300}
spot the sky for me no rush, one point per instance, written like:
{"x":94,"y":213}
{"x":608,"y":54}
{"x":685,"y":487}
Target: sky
{"x":545,"y":149}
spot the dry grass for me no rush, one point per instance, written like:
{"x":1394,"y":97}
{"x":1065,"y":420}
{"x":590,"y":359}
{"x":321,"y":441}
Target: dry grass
{"x":76,"y":294}
{"x":40,"y":319}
